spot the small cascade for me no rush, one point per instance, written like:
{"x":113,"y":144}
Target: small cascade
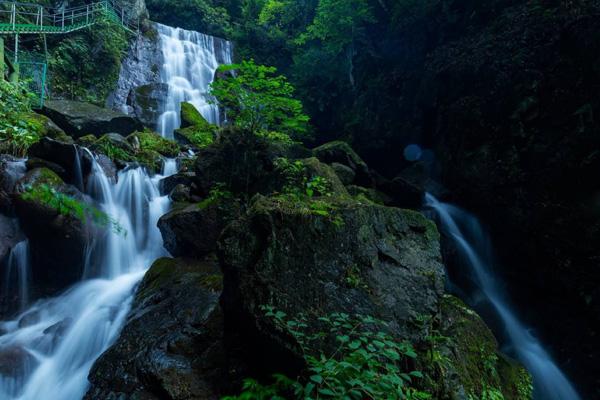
{"x":190,"y":61}
{"x":56,"y":341}
{"x":473,"y":246}
{"x":17,"y":270}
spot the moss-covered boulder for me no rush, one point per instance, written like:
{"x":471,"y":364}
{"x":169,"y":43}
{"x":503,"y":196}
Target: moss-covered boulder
{"x":245,"y":162}
{"x":171,"y":345}
{"x":468,"y":364}
{"x":47,"y":128}
{"x":341,"y":153}
{"x":57,"y":239}
{"x":195,"y":130}
{"x":79,"y":119}
{"x":65,"y":155}
{"x":334,"y":255}
{"x":146,"y":102}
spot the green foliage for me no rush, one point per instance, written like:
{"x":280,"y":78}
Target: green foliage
{"x":17,"y":130}
{"x":68,"y":206}
{"x":255,"y":98}
{"x":111,"y":151}
{"x":151,"y":141}
{"x":217,"y":193}
{"x":86,"y":65}
{"x":367,"y":362}
{"x":208,"y":16}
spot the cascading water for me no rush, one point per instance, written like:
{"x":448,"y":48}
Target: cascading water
{"x":472,"y":244}
{"x":55,"y":343}
{"x":17,"y":268}
{"x":190,"y":61}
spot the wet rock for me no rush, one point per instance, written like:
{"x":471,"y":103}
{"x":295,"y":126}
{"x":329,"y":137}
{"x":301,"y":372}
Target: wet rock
{"x":79,"y":119}
{"x":64,"y":155}
{"x":15,"y":362}
{"x":403,"y":193}
{"x":345,"y":173}
{"x":474,"y":363}
{"x":172,"y":343}
{"x":193,"y":231}
{"x":139,"y":68}
{"x":10,"y":235}
{"x":180,"y":194}
{"x":341,"y":152}
{"x":145,"y":102}
{"x":29,"y":319}
{"x":169,"y":183}
{"x":34,"y":162}
{"x":315,"y":168}
{"x":360,"y":259}
{"x":57,"y":241}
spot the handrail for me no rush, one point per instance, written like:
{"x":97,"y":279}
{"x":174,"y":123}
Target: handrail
{"x":17,"y":17}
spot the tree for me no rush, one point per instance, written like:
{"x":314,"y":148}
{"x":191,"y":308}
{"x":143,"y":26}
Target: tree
{"x":255,"y":98}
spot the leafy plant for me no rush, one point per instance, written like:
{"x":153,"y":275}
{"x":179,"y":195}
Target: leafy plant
{"x":68,"y":206}
{"x":254,"y":98}
{"x":17,"y":130}
{"x":366,"y":363}
{"x":217,"y":193}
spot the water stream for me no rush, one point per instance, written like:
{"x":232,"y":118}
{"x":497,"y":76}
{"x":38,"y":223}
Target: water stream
{"x":190,"y":61}
{"x":56,"y":341}
{"x":473,"y":246}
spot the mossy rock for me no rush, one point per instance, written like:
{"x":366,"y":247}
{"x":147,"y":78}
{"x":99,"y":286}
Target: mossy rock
{"x":153,"y":142}
{"x":47,"y":128}
{"x":196,"y":136}
{"x":190,"y":116}
{"x":87,"y":140}
{"x":468,"y":364}
{"x":341,"y":152}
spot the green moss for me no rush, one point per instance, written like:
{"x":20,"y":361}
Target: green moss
{"x":190,"y":116}
{"x":197,"y":136}
{"x":214,"y":282}
{"x":87,"y":140}
{"x":419,"y":222}
{"x":467,"y":359}
{"x":153,"y":142}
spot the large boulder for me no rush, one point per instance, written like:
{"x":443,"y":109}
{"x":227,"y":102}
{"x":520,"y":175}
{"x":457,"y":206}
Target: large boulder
{"x":475,"y":368}
{"x":75,"y":162}
{"x":10,"y":235}
{"x":193,"y":231}
{"x":145,"y":102}
{"x":171,"y":346}
{"x":57,"y":239}
{"x":79,"y":119}
{"x":355,"y":258}
{"x":11,"y":170}
{"x":341,"y":153}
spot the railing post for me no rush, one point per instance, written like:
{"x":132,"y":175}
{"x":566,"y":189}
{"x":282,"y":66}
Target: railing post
{"x":41,"y":17}
{"x":87,"y":15}
{"x":1,"y":58}
{"x":14,"y":15}
{"x":63,"y":19}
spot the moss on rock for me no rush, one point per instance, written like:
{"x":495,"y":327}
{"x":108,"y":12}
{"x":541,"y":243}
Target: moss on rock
{"x":467,"y":362}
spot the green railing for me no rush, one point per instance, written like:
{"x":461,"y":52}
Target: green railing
{"x":26,"y":18}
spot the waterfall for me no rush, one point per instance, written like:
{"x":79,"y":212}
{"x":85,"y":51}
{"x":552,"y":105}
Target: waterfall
{"x":18,"y":266}
{"x":190,"y":61}
{"x":53,"y":344}
{"x":472,"y":244}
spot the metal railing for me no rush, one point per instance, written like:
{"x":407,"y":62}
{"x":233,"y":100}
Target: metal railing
{"x":18,"y":17}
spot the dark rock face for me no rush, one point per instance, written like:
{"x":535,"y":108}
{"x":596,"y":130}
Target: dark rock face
{"x":140,"y":67}
{"x":15,"y":362}
{"x":171,"y":346}
{"x":192,"y":231}
{"x":79,"y":119}
{"x":380,"y":261}
{"x":10,"y":235}
{"x":145,"y":102}
{"x":169,"y":183}
{"x":341,"y":153}
{"x":64,"y":155}
{"x":57,"y":242}
{"x":512,"y":122}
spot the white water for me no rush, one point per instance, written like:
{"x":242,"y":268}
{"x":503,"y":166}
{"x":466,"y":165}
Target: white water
{"x":63,"y":336}
{"x":474,"y":247}
{"x":18,"y":267}
{"x":190,"y":61}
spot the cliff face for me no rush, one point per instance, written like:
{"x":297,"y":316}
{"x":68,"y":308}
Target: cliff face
{"x":510,"y":109}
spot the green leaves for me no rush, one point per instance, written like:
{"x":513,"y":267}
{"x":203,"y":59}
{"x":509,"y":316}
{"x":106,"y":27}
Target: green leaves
{"x":254,"y":98}
{"x":367,"y":364}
